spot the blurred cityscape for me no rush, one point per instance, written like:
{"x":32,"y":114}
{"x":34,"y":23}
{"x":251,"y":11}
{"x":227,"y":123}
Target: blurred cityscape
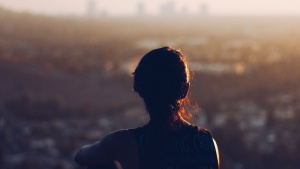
{"x":66,"y":82}
{"x":165,"y":9}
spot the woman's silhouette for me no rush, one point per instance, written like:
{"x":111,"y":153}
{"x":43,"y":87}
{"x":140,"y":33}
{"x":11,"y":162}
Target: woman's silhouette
{"x":168,"y":141}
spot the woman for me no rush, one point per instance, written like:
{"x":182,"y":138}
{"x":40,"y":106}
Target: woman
{"x":168,"y":141}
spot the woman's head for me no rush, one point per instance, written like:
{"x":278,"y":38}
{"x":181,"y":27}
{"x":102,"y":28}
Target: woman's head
{"x":162,"y":80}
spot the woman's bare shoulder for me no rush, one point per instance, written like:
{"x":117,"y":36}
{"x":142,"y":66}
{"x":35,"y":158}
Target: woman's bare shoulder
{"x":125,"y":148}
{"x":108,"y":149}
{"x":118,"y":136}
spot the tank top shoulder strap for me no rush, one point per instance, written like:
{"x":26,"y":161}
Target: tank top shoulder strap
{"x":203,"y":131}
{"x":139,"y":134}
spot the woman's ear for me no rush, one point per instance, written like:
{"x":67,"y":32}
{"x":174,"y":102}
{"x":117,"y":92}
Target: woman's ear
{"x":185,"y":89}
{"x":136,"y":88}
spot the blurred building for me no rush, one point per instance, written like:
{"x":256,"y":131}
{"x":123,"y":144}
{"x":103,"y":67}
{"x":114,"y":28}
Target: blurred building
{"x":167,"y":9}
{"x":204,"y":9}
{"x":184,"y":11}
{"x":141,"y":10}
{"x":91,"y":8}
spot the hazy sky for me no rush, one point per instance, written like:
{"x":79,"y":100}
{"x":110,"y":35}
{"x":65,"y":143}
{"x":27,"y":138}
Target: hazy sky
{"x":121,"y":7}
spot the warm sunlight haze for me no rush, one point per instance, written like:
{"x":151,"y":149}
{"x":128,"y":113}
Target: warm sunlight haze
{"x":152,"y":7}
{"x":66,"y":76}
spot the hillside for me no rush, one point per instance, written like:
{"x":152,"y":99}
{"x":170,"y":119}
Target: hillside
{"x":66,"y":82}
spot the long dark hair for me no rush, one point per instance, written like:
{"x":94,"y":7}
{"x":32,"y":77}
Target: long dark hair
{"x":162,"y":79}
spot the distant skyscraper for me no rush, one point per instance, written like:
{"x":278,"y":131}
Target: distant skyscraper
{"x":168,"y":8}
{"x":203,"y":9}
{"x":91,"y":8}
{"x":184,"y":10}
{"x":141,"y":9}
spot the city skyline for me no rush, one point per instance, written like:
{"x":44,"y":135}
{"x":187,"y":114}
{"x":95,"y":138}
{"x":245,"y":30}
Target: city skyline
{"x":133,"y":7}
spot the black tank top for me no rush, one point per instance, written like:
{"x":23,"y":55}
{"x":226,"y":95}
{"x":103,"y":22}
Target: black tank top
{"x":191,"y":148}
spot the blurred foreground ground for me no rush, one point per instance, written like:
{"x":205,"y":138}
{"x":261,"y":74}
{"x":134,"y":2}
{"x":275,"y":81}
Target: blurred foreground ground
{"x":66,"y":82}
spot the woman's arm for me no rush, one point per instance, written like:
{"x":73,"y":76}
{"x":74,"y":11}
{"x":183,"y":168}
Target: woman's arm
{"x":101,"y":152}
{"x":111,"y":165}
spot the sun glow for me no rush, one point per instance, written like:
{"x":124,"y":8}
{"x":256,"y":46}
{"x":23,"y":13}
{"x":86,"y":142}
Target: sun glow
{"x":153,"y":7}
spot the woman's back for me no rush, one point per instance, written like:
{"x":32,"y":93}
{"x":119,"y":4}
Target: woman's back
{"x":189,"y":148}
{"x":168,"y":141}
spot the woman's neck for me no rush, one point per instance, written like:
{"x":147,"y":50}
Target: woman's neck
{"x":173,"y":123}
